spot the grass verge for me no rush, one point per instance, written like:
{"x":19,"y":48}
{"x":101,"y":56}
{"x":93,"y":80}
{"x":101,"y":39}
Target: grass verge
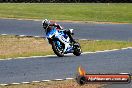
{"x":55,"y":84}
{"x":101,"y":12}
{"x":14,"y":46}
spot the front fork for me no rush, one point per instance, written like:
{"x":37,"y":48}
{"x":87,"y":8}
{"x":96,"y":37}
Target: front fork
{"x":50,"y":41}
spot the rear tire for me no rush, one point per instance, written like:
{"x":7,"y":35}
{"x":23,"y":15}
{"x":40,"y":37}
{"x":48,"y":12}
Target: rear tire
{"x":57,"y":51}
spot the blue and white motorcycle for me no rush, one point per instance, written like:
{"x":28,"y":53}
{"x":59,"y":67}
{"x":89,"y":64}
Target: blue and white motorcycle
{"x":62,"y":43}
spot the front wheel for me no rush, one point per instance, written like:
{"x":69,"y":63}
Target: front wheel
{"x":77,"y":49}
{"x":57,"y":50}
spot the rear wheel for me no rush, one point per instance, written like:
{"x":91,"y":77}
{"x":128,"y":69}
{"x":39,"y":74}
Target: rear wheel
{"x":58,"y":50}
{"x":77,"y":49}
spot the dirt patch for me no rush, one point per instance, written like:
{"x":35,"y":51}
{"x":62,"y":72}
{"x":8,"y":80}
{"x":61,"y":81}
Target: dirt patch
{"x":19,"y":46}
{"x":15,"y":46}
{"x":67,"y":84}
{"x":55,"y":84}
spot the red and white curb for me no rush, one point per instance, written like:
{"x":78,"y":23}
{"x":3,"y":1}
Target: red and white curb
{"x":36,"y":81}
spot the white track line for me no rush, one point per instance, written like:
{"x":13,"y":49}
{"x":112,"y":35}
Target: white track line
{"x":36,"y":81}
{"x":88,"y":52}
{"x":124,"y":48}
{"x":4,"y":84}
{"x":130,"y":47}
{"x":4,"y":34}
{"x":15,"y":83}
{"x":69,"y":78}
{"x":21,"y":19}
{"x":22,"y":35}
{"x":43,"y":81}
{"x":58,"y":79}
{"x":70,"y":54}
{"x":37,"y":36}
{"x":123,"y":73}
{"x":46,"y":80}
{"x":25,"y":82}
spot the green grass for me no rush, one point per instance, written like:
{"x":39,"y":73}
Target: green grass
{"x":103,"y":45}
{"x":117,"y":12}
{"x":12,"y":46}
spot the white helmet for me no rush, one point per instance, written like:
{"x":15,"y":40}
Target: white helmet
{"x":45,"y":24}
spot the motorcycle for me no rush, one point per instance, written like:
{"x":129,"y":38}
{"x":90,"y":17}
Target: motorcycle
{"x":58,"y":39}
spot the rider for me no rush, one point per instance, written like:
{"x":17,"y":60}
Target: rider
{"x":47,"y":25}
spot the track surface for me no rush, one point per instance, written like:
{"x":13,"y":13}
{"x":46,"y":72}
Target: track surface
{"x":82,"y":30}
{"x":53,"y":67}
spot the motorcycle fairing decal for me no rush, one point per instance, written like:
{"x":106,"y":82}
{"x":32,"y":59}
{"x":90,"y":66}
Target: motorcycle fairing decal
{"x":51,"y":33}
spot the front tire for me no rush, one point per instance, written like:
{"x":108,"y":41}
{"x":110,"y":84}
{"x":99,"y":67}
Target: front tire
{"x":77,"y":49}
{"x":56,"y":50}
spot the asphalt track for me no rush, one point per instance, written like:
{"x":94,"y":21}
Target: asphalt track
{"x":46,"y":68}
{"x":82,"y":30}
